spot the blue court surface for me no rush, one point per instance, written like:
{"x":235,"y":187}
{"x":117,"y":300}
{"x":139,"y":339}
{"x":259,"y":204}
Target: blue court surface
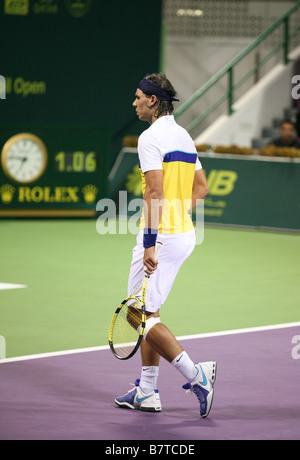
{"x":71,"y":396}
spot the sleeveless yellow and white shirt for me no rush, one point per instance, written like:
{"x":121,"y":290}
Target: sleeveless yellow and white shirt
{"x":167,"y":146}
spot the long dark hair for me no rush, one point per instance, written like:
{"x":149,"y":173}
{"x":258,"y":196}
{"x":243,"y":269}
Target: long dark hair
{"x":163,"y":107}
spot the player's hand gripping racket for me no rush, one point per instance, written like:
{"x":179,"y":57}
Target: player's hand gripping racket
{"x":127,"y":326}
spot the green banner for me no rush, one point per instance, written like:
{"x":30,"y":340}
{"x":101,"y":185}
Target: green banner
{"x":253,"y":192}
{"x":75,"y":62}
{"x":247,"y":191}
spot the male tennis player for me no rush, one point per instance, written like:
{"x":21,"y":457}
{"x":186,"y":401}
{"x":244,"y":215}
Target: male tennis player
{"x":173,"y":181}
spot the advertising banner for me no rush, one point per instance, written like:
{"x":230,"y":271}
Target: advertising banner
{"x":52,"y":170}
{"x":253,"y":192}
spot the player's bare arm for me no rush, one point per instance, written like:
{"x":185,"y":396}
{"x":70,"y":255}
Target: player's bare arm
{"x":153,"y":204}
{"x":200,"y":187}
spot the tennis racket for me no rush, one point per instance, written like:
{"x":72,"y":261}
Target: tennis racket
{"x":128,"y":323}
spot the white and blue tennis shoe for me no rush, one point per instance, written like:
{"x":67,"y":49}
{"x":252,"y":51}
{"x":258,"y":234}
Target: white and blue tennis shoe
{"x":203,"y":386}
{"x":137,"y":399}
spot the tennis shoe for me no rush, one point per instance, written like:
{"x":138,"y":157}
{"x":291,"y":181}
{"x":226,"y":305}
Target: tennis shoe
{"x":137,"y":399}
{"x":203,"y":386}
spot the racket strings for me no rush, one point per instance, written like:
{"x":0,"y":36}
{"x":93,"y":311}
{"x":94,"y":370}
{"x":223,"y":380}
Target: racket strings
{"x":125,"y":331}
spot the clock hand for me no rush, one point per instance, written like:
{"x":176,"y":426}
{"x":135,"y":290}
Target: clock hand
{"x":24,"y":159}
{"x":17,"y":158}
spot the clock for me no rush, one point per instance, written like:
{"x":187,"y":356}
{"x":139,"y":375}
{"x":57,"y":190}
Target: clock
{"x":24,"y":158}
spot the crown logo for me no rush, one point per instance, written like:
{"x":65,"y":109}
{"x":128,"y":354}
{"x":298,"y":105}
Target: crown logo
{"x":78,"y":8}
{"x":89,"y":193}
{"x":7,"y":193}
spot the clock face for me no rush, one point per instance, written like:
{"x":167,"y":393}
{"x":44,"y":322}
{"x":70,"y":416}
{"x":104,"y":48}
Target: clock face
{"x":24,"y":158}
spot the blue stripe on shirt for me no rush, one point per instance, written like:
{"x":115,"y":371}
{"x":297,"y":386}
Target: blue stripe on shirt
{"x":177,"y":155}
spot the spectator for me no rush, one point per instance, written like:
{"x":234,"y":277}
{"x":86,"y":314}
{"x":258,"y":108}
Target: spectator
{"x":287,"y":136}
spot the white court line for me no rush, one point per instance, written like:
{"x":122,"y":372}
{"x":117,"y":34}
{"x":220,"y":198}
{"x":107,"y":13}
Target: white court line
{"x":4,"y":286}
{"x":185,"y":337}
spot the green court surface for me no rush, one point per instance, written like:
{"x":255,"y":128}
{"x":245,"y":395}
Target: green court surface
{"x":75,"y":278}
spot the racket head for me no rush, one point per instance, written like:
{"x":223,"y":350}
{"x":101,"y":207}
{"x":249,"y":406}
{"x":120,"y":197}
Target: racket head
{"x":124,"y":338}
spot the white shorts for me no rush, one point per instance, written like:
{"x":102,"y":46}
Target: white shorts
{"x":176,"y":249}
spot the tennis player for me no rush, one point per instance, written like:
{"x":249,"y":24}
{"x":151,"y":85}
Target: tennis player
{"x":172,"y":182}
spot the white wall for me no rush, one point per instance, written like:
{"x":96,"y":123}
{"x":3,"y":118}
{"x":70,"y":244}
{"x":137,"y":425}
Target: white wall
{"x":192,"y":61}
{"x":265,"y":101}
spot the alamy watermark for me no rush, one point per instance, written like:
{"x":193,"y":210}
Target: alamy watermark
{"x":296,"y":348}
{"x":2,"y":347}
{"x":2,"y":87}
{"x":296,"y":88}
{"x":124,"y":217}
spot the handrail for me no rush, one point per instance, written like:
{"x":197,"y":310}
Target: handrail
{"x":228,"y":68}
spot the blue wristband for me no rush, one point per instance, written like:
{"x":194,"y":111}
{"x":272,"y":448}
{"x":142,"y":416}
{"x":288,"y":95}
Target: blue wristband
{"x":150,"y":236}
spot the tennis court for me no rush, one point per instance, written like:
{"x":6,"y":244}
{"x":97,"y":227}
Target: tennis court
{"x":71,"y":279}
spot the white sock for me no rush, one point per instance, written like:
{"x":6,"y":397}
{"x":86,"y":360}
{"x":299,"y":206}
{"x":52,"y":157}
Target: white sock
{"x":185,"y":366}
{"x":149,"y":377}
